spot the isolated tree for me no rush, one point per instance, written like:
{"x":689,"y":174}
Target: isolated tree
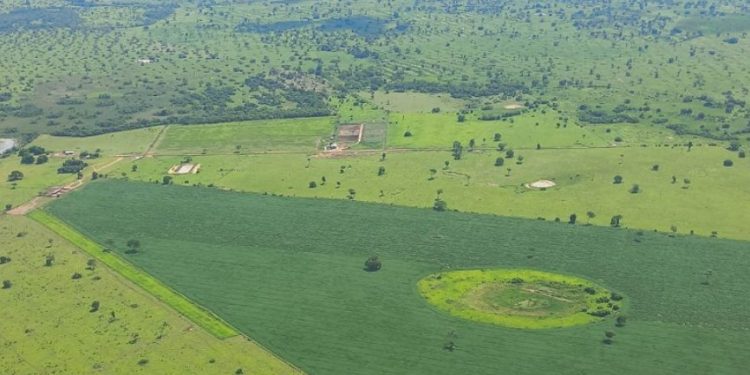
{"x":133,"y":246}
{"x":635,"y":189}
{"x":15,"y":176}
{"x":381,"y":171}
{"x":166,"y":180}
{"x":728,"y":163}
{"x":49,"y":260}
{"x":497,"y":137}
{"x":617,"y":179}
{"x":572,"y":219}
{"x":7,"y":284}
{"x":94,"y":175}
{"x":312,"y":184}
{"x":620,"y":321}
{"x":461,"y":117}
{"x":42,"y":159}
{"x":4,"y":259}
{"x":373,"y":264}
{"x":94,"y":306}
{"x":91,"y":264}
{"x":615,"y":221}
{"x":590,"y":215}
{"x":510,"y":154}
{"x":8,"y":207}
{"x":76,"y":276}
{"x":499,"y":162}
{"x":134,"y":168}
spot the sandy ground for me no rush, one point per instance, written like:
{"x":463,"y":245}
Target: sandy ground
{"x":6,"y":144}
{"x":541,"y":184}
{"x":513,"y":106}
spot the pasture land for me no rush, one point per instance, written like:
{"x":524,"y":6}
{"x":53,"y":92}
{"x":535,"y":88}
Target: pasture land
{"x":306,"y":297}
{"x":292,"y":135}
{"x":48,"y":326}
{"x":702,"y":196}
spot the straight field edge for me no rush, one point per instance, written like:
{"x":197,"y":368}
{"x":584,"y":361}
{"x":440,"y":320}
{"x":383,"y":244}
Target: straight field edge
{"x":189,"y":309}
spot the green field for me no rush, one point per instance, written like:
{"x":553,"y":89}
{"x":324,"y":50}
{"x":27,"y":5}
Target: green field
{"x":47,"y":326}
{"x":525,"y":299}
{"x":288,"y":272}
{"x":298,"y":135}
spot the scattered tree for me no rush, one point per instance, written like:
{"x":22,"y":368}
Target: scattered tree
{"x":499,"y":162}
{"x":617,"y":179}
{"x":373,"y":264}
{"x":133,"y":246}
{"x":615,"y":221}
{"x":439,"y":205}
{"x":15,"y":176}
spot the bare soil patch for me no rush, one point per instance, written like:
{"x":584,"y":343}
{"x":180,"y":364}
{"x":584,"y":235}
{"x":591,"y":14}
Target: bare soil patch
{"x":184,"y":169}
{"x":541,"y":184}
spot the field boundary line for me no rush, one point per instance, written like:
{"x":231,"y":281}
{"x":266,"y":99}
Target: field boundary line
{"x":183,"y":305}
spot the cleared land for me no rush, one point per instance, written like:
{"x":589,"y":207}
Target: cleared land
{"x":47,"y":326}
{"x":307,"y":298}
{"x":702,"y":197}
{"x":296,"y":135}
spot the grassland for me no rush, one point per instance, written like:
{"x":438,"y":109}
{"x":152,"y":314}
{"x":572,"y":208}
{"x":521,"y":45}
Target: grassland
{"x":702,"y":199}
{"x":197,"y":314}
{"x":297,"y":135}
{"x":288,"y":272}
{"x":47,"y":326}
{"x":514,"y":298}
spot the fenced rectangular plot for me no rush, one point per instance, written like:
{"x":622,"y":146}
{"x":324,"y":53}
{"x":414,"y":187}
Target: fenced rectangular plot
{"x":289,"y":273}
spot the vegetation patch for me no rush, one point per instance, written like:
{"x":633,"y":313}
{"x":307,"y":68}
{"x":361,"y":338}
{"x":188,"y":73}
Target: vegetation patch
{"x":519,"y":298}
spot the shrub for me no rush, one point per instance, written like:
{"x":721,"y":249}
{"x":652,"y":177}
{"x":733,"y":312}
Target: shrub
{"x":440,"y":205}
{"x":76,"y":276}
{"x":373,"y":264}
{"x":620,"y":321}
{"x":407,"y":133}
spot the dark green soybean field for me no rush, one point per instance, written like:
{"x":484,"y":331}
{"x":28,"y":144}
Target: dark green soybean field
{"x":289,"y":273}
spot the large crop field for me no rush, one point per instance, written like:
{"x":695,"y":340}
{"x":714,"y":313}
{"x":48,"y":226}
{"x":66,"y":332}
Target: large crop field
{"x":289,"y":273}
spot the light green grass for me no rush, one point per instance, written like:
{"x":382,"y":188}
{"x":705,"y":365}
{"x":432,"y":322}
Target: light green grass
{"x":126,"y":142}
{"x":584,"y":180}
{"x":458,"y":293}
{"x":410,"y":102}
{"x":195,"y":313}
{"x":47,"y":327}
{"x":293,"y":135}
